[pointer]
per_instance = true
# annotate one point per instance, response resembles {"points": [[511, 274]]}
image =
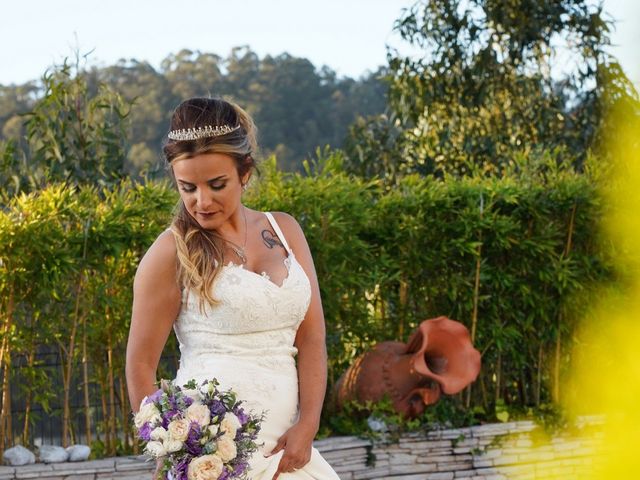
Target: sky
{"points": [[349, 36]]}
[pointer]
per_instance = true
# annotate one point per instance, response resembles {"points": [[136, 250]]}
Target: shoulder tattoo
{"points": [[270, 239]]}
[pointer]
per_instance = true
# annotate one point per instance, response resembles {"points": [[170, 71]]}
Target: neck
{"points": [[234, 228], [235, 232]]}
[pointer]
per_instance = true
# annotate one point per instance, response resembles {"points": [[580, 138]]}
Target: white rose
{"points": [[193, 393], [147, 413], [230, 424], [155, 449], [158, 433], [226, 449], [179, 429], [198, 413], [171, 445], [213, 430], [206, 467]]}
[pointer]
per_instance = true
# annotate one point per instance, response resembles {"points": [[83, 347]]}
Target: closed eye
{"points": [[216, 183], [187, 189]]}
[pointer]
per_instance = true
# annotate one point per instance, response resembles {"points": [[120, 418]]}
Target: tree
{"points": [[76, 131], [14, 101], [297, 108], [150, 94], [192, 74], [496, 79]]}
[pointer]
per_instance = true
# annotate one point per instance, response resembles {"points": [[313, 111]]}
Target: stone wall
{"points": [[514, 450]]}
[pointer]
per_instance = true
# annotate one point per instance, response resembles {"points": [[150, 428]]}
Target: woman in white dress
{"points": [[239, 289]]}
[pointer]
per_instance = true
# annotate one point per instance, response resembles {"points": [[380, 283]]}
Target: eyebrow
{"points": [[210, 180]]}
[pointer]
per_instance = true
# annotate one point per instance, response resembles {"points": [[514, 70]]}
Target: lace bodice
{"points": [[255, 316], [246, 342]]}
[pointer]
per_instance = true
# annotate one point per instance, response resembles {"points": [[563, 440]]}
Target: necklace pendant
{"points": [[240, 253]]}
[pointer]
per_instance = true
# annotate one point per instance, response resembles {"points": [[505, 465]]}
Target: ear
{"points": [[246, 177], [248, 164]]}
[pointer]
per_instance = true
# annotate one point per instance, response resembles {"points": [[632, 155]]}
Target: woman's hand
{"points": [[297, 442]]}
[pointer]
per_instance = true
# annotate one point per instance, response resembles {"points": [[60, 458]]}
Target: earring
{"points": [[244, 187]]}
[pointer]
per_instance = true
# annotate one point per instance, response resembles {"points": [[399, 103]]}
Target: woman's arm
{"points": [[156, 304], [312, 358], [310, 340]]}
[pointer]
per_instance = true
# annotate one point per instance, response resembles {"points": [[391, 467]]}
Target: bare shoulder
{"points": [[158, 265], [290, 227]]}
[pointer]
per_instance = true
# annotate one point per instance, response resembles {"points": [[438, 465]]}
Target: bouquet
{"points": [[199, 432]]}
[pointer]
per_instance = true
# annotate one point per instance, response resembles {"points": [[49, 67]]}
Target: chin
{"points": [[205, 223]]}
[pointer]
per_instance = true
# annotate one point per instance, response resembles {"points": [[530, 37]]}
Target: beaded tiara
{"points": [[201, 132]]}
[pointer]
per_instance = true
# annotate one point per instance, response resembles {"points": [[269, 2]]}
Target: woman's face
{"points": [[209, 187]]}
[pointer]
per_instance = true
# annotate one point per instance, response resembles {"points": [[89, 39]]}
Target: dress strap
{"points": [[275, 226]]}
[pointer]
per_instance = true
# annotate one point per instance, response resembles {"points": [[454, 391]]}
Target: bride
{"points": [[239, 289]]}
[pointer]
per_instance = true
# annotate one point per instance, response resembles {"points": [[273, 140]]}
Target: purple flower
{"points": [[237, 471], [217, 407], [240, 468], [168, 416], [145, 432], [192, 444], [181, 469], [242, 416], [154, 397]]}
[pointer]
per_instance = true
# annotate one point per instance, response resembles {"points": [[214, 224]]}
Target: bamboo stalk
{"points": [[558, 346], [5, 418], [112, 400], [5, 365], [476, 295], [72, 432], [65, 430], [539, 376], [25, 425], [498, 375], [124, 405], [103, 399], [85, 386], [9, 414], [555, 392], [27, 407], [4, 369], [5, 338], [476, 285], [66, 412], [402, 294]]}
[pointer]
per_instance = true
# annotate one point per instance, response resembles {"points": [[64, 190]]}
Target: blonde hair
{"points": [[201, 252]]}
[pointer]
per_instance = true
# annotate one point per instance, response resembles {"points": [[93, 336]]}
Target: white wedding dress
{"points": [[246, 342]]}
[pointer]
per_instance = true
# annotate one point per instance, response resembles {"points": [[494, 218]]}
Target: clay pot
{"points": [[438, 358]]}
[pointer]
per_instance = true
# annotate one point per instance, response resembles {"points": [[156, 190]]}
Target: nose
{"points": [[203, 200]]}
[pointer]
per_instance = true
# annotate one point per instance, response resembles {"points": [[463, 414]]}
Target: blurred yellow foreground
{"points": [[606, 378]]}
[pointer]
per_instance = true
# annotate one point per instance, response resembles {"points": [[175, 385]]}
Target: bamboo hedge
{"points": [[513, 259]]}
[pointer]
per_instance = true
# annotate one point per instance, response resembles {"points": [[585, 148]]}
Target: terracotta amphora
{"points": [[438, 358]]}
